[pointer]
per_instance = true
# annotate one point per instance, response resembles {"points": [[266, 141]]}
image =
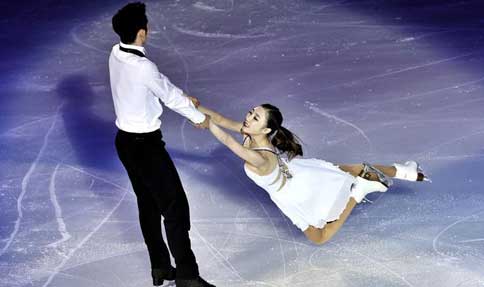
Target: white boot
{"points": [[410, 170], [362, 187]]}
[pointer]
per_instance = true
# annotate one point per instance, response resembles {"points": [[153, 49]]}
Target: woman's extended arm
{"points": [[220, 120], [252, 157]]}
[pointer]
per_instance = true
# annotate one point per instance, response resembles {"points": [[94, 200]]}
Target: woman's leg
{"points": [[355, 170], [322, 235]]}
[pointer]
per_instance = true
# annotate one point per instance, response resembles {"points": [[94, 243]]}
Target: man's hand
{"points": [[205, 124], [195, 101]]}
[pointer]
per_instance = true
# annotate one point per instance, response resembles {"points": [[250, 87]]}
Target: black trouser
{"points": [[159, 192]]}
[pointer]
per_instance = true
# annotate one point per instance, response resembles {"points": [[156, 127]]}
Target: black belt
{"points": [[153, 134]]}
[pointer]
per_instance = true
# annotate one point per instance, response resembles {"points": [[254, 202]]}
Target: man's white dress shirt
{"points": [[137, 88]]}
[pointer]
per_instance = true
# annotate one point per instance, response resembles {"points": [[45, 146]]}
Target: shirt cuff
{"points": [[198, 117]]}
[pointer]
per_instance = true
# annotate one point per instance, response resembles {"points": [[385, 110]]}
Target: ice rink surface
{"points": [[377, 81]]}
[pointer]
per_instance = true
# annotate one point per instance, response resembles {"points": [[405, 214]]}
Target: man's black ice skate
{"points": [[198, 282], [159, 275]]}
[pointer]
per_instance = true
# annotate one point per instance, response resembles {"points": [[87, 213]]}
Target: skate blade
{"points": [[366, 200], [383, 178], [421, 174]]}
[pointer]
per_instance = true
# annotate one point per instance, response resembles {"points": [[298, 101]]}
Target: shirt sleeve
{"points": [[171, 95]]}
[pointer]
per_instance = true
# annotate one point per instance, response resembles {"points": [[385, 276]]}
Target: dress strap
{"points": [[266, 149], [283, 168]]}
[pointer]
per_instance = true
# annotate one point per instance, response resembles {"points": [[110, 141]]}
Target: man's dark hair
{"points": [[129, 20]]}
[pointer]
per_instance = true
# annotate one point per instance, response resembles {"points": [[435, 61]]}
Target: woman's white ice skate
{"points": [[410, 171], [362, 187]]}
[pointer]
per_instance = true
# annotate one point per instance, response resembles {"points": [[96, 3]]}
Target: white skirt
{"points": [[317, 193]]}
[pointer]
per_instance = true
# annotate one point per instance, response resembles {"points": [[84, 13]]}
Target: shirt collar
{"points": [[139, 48]]}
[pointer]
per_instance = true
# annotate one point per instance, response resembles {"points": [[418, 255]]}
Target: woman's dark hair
{"points": [[283, 139], [129, 20]]}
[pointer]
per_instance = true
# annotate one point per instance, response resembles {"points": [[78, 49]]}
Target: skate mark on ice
{"points": [[435, 241], [454, 105], [455, 157], [384, 266], [245, 234], [202, 6], [133, 250], [217, 35], [360, 25], [90, 282], [234, 222], [267, 216], [244, 185], [317, 110], [92, 184], [315, 11], [205, 7], [293, 236], [117, 278], [23, 125], [415, 122], [428, 153], [471, 240], [274, 228], [252, 47], [398, 99], [182, 133], [425, 35], [237, 218], [95, 176], [177, 52], [25, 182], [79, 41], [411, 68], [217, 254], [61, 226], [58, 268]]}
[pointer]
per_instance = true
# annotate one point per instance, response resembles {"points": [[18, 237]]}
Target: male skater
{"points": [[137, 88]]}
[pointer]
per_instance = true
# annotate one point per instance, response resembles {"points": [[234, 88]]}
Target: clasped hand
{"points": [[205, 124]]}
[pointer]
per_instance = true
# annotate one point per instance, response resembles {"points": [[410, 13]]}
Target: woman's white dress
{"points": [[317, 192]]}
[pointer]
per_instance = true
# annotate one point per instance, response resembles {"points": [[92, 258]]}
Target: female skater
{"points": [[317, 196]]}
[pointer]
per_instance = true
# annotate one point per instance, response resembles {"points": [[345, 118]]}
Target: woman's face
{"points": [[255, 122]]}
